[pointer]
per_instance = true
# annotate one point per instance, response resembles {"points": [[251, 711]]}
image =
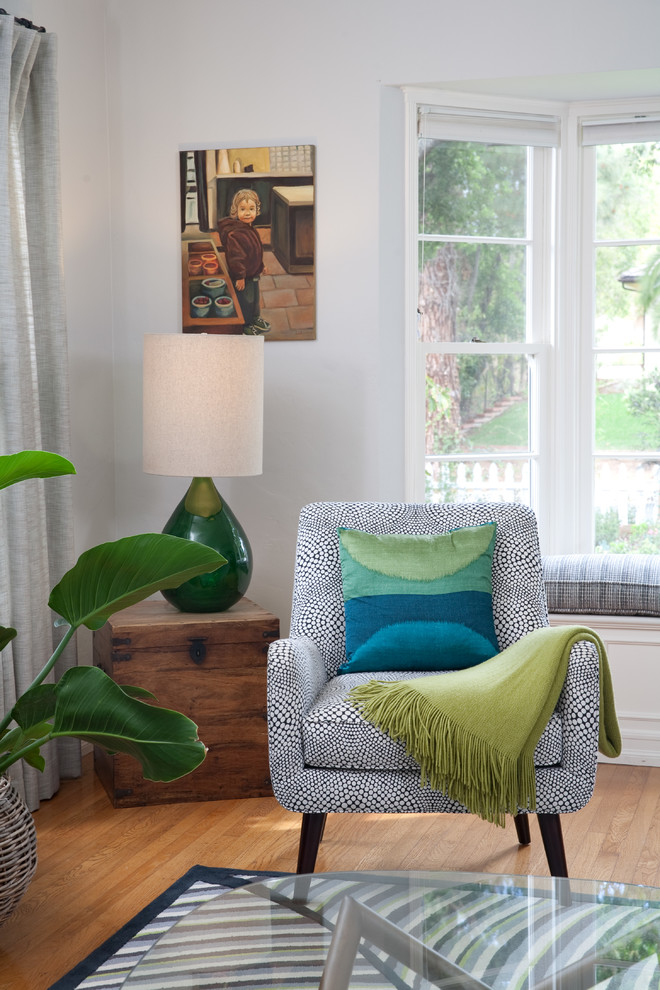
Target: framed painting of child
{"points": [[248, 241]]}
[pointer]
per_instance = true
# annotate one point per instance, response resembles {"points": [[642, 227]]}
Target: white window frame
{"points": [[562, 440], [608, 118]]}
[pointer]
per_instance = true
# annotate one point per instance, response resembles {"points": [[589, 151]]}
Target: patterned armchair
{"points": [[324, 757]]}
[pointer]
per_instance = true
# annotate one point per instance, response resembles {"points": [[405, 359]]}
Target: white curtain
{"points": [[36, 532]]}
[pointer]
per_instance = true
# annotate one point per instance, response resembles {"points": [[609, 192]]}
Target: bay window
{"points": [[533, 353]]}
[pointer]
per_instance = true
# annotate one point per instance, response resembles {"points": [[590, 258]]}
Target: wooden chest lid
{"points": [[156, 620]]}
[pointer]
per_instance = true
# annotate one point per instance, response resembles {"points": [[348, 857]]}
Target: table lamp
{"points": [[203, 418]]}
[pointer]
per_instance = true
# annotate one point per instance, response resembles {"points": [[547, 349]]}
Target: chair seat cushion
{"points": [[335, 736]]}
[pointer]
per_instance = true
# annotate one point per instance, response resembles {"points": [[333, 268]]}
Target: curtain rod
{"points": [[24, 21]]}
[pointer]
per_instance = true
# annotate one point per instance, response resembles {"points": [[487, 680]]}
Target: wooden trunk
{"points": [[211, 667]]}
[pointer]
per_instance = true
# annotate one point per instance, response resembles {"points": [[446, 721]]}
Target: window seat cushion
{"points": [[603, 583]]}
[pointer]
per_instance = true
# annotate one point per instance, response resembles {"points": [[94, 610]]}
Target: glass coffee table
{"points": [[413, 931]]}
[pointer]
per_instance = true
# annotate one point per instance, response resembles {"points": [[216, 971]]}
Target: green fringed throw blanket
{"points": [[474, 731]]}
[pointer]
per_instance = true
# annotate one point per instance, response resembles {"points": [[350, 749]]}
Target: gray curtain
{"points": [[36, 531]]}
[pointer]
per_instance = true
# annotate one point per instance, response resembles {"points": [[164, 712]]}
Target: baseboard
{"points": [[640, 736]]}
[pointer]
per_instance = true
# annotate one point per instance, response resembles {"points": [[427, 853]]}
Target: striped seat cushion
{"points": [[603, 584]]}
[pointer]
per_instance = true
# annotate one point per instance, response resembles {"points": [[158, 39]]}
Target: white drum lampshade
{"points": [[203, 418]]}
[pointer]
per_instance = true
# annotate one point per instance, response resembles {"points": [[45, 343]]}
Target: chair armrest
{"points": [[579, 702], [578, 706], [296, 674]]}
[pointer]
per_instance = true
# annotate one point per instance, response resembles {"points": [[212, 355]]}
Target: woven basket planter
{"points": [[18, 848]]}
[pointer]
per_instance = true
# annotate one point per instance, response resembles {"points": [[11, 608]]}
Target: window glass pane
{"points": [[478, 481], [627, 316], [628, 402], [472, 290], [477, 403], [627, 191], [627, 302], [471, 188], [627, 495]]}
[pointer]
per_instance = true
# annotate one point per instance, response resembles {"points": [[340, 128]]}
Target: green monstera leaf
{"points": [[28, 464], [6, 636], [87, 705], [115, 575]]}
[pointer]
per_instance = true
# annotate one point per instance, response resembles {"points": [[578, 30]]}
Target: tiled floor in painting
{"points": [[287, 302]]}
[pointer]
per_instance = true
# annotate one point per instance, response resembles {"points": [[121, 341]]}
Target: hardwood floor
{"points": [[99, 866]]}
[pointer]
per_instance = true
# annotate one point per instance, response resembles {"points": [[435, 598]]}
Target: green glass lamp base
{"points": [[202, 516]]}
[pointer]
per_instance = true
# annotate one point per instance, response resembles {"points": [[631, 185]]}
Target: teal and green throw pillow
{"points": [[418, 602]]}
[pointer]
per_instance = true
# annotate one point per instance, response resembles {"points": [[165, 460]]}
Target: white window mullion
{"points": [[469, 239], [467, 347], [586, 384], [415, 358], [541, 324], [570, 484], [511, 455], [628, 243]]}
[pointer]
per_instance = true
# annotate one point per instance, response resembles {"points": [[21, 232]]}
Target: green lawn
{"points": [[619, 429], [508, 430], [616, 427]]}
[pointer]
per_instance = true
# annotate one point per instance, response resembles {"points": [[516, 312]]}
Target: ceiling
{"points": [[578, 86]]}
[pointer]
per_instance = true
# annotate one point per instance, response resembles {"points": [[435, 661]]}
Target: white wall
{"points": [[211, 73]]}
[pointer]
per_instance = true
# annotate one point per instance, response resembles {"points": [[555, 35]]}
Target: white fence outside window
{"points": [[630, 488]]}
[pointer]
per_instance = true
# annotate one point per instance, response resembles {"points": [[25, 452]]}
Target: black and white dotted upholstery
{"points": [[324, 757]]}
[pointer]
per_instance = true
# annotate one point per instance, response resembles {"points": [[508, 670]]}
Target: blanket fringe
{"points": [[453, 760]]}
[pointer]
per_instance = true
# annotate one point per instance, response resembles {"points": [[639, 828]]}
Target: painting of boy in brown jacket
{"points": [[244, 255]]}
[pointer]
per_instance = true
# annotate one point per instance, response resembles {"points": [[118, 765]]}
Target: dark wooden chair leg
{"points": [[311, 830], [522, 829], [553, 843]]}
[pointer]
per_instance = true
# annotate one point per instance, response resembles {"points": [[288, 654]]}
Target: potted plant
{"points": [[85, 703]]}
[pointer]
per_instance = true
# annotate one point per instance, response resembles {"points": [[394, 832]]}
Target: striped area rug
{"points": [[108, 966], [493, 931]]}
